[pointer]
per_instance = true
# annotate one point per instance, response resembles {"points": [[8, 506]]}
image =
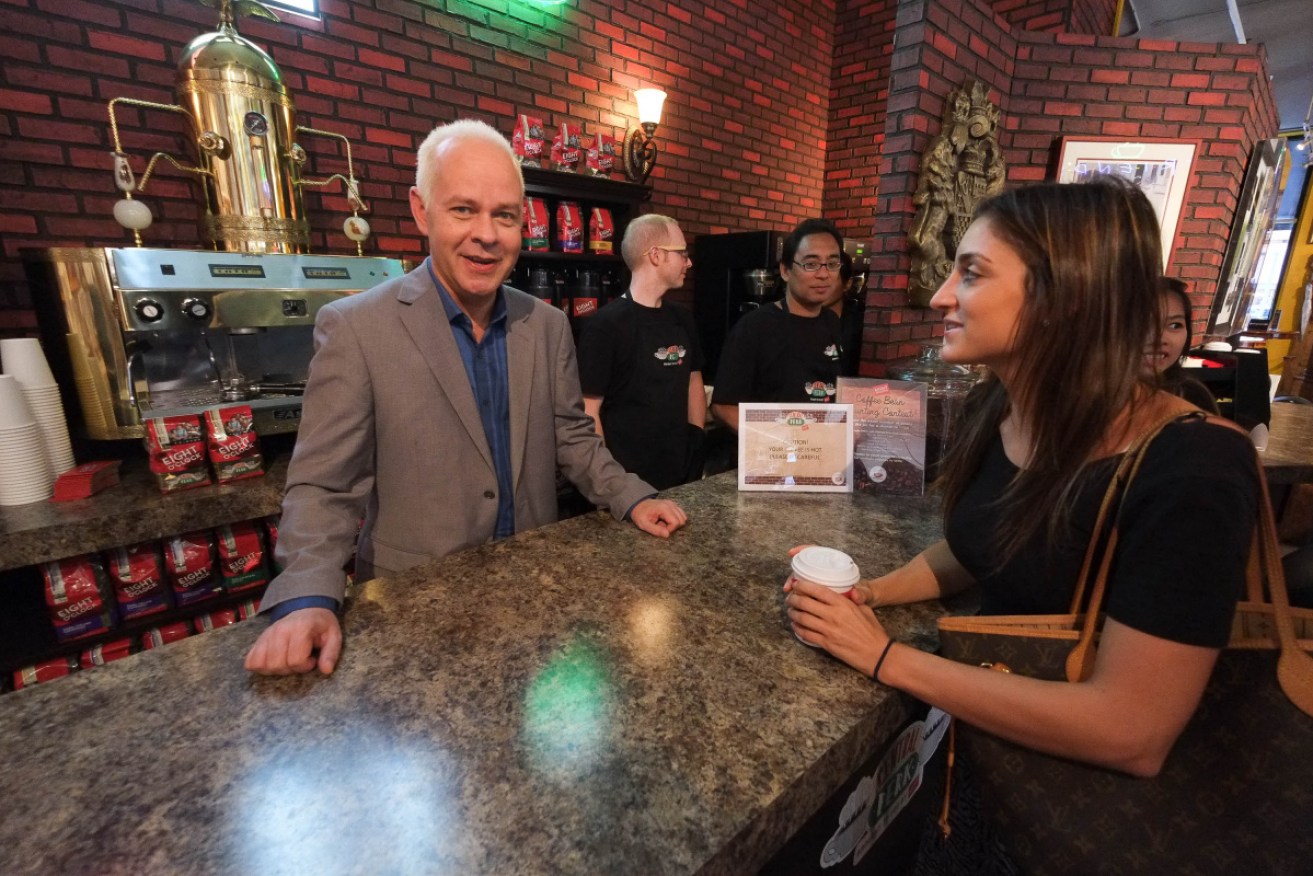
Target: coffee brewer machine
{"points": [[739, 272], [158, 332]]}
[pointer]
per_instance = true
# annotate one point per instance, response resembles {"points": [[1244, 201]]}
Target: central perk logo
{"points": [[672, 355], [819, 390]]}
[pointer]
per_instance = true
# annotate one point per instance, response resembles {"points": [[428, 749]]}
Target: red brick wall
{"points": [[742, 137], [777, 111], [940, 44], [858, 93], [1074, 86], [1060, 85], [1093, 17]]}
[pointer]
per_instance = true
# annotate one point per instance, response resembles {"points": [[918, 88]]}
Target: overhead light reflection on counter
{"points": [[651, 625], [403, 815]]}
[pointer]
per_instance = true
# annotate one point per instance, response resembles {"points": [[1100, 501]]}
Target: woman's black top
{"points": [[1184, 537]]}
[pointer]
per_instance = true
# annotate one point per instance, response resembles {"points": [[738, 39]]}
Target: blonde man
{"points": [[640, 364]]}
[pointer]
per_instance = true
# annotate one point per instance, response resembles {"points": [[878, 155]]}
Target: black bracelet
{"points": [[875, 676]]}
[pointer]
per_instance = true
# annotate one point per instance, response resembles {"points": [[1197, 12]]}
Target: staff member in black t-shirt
{"points": [[789, 350], [640, 364], [850, 318]]}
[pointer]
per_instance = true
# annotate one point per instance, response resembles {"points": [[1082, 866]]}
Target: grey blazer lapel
{"points": [[521, 359], [426, 323]]}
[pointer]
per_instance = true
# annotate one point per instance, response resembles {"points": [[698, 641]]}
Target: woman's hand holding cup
{"points": [[829, 613]]}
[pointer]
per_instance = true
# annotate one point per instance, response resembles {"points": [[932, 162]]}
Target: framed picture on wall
{"points": [[1161, 168], [1259, 197]]}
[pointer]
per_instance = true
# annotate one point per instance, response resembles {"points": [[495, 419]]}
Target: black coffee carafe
{"points": [[542, 285], [587, 295]]}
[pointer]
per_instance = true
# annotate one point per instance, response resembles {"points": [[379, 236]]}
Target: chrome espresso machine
{"points": [[152, 332]]}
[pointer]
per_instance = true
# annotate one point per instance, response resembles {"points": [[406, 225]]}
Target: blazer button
{"points": [[489, 494]]}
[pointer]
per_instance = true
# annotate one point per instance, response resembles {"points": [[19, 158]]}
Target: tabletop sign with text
{"points": [[889, 421], [799, 447]]}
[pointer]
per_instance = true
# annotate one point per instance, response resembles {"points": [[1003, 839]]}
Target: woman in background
{"points": [[1173, 340]]}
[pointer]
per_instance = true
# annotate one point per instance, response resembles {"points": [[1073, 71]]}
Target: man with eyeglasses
{"points": [[640, 363], [788, 350]]}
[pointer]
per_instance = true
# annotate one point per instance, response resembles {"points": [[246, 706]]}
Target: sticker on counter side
{"points": [[879, 797]]}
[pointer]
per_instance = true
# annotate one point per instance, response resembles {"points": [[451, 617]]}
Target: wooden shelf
{"points": [[573, 257], [583, 187], [619, 196]]}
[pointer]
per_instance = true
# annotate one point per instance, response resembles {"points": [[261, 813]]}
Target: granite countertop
{"points": [[131, 511], [582, 698]]}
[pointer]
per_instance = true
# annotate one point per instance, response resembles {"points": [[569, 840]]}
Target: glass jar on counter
{"points": [[946, 388]]}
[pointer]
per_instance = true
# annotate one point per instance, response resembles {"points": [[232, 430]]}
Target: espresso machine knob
{"points": [[196, 308], [148, 309]]}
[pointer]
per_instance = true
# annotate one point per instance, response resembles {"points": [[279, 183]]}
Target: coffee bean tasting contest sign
{"points": [[889, 421], [801, 447]]}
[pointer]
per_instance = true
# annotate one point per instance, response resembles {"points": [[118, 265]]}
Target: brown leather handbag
{"points": [[1236, 792]]}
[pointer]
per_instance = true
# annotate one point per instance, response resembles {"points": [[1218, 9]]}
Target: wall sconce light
{"points": [[640, 145]]}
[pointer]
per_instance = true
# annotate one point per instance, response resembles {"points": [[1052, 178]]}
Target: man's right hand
{"points": [[288, 646]]}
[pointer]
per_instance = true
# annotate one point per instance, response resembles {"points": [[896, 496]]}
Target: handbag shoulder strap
{"points": [[1080, 662], [1110, 507]]}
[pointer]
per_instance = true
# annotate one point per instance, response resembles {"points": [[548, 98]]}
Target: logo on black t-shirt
{"points": [[672, 355], [819, 390], [832, 352]]}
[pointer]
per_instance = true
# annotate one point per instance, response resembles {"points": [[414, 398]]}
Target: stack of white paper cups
{"points": [[22, 359], [25, 474]]}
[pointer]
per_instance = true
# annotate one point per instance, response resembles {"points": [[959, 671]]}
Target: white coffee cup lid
{"points": [[826, 566]]}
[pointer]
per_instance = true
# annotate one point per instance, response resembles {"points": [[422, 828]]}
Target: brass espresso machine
{"points": [[157, 332]]}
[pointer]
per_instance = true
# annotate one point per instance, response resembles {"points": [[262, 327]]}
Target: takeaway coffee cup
{"points": [[827, 567]]}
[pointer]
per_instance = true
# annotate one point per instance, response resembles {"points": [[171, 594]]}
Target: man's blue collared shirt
{"points": [[489, 376]]}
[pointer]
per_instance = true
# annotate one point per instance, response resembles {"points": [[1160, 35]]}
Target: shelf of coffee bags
{"points": [[44, 650], [63, 607], [132, 511], [583, 187]]}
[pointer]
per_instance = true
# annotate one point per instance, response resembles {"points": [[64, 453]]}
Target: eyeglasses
{"points": [[677, 250], [833, 265]]}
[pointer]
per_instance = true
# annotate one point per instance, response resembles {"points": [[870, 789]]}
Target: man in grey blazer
{"points": [[438, 407]]}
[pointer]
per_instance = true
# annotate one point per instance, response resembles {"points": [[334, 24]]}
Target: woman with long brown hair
{"points": [[1055, 289]]}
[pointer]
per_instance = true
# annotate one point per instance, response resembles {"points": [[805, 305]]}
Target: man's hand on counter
{"points": [[288, 646], [658, 517]]}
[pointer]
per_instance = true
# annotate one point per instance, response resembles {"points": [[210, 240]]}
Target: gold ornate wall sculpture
{"points": [[962, 166]]}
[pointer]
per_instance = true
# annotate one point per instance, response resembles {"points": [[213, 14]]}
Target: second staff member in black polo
{"points": [[640, 364], [789, 350]]}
